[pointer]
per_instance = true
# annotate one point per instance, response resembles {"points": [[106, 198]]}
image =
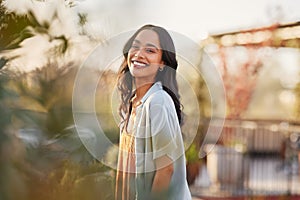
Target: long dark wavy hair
{"points": [[167, 77]]}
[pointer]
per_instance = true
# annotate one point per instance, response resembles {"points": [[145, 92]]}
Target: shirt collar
{"points": [[154, 88]]}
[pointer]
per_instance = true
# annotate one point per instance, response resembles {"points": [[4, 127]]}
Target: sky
{"points": [[194, 18]]}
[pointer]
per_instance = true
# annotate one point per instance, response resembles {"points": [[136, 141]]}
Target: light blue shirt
{"points": [[157, 133]]}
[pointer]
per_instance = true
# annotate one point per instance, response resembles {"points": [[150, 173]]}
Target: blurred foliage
{"points": [[240, 84], [73, 181], [16, 28], [191, 154], [4, 137], [297, 94], [205, 108], [45, 97], [49, 160], [12, 31], [12, 27], [41, 153], [204, 98], [103, 96]]}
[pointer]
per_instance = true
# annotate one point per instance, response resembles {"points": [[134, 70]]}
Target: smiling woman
{"points": [[151, 161], [144, 57]]}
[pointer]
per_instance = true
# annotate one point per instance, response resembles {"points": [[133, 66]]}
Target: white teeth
{"points": [[139, 63]]}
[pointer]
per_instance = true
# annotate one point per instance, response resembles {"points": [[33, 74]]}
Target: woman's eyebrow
{"points": [[137, 41], [151, 45]]}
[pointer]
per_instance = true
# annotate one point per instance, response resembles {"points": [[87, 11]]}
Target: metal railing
{"points": [[253, 157]]}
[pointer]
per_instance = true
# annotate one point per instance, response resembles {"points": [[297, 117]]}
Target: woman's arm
{"points": [[163, 175]]}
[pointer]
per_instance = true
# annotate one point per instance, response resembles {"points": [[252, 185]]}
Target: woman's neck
{"points": [[142, 88]]}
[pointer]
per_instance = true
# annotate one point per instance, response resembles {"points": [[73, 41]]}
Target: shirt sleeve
{"points": [[165, 131]]}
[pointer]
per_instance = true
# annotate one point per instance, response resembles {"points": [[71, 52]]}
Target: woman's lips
{"points": [[139, 64]]}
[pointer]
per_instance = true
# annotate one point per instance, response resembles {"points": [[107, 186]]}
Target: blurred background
{"points": [[242, 135]]}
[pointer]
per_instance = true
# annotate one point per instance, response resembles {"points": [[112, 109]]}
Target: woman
{"points": [[151, 161]]}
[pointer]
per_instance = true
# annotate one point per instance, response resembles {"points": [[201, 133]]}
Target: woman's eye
{"points": [[150, 50]]}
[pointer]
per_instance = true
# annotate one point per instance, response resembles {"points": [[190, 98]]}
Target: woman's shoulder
{"points": [[160, 97]]}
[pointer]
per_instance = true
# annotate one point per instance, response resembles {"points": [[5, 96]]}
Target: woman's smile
{"points": [[139, 64]]}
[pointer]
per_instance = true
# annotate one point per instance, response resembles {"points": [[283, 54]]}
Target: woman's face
{"points": [[145, 56]]}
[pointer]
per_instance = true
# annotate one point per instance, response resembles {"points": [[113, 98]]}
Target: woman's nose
{"points": [[139, 53]]}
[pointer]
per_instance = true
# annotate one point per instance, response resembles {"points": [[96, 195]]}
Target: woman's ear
{"points": [[161, 66]]}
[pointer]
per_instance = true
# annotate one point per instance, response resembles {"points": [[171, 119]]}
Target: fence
{"points": [[253, 157]]}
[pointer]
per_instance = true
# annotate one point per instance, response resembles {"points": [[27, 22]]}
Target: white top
{"points": [[157, 133]]}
